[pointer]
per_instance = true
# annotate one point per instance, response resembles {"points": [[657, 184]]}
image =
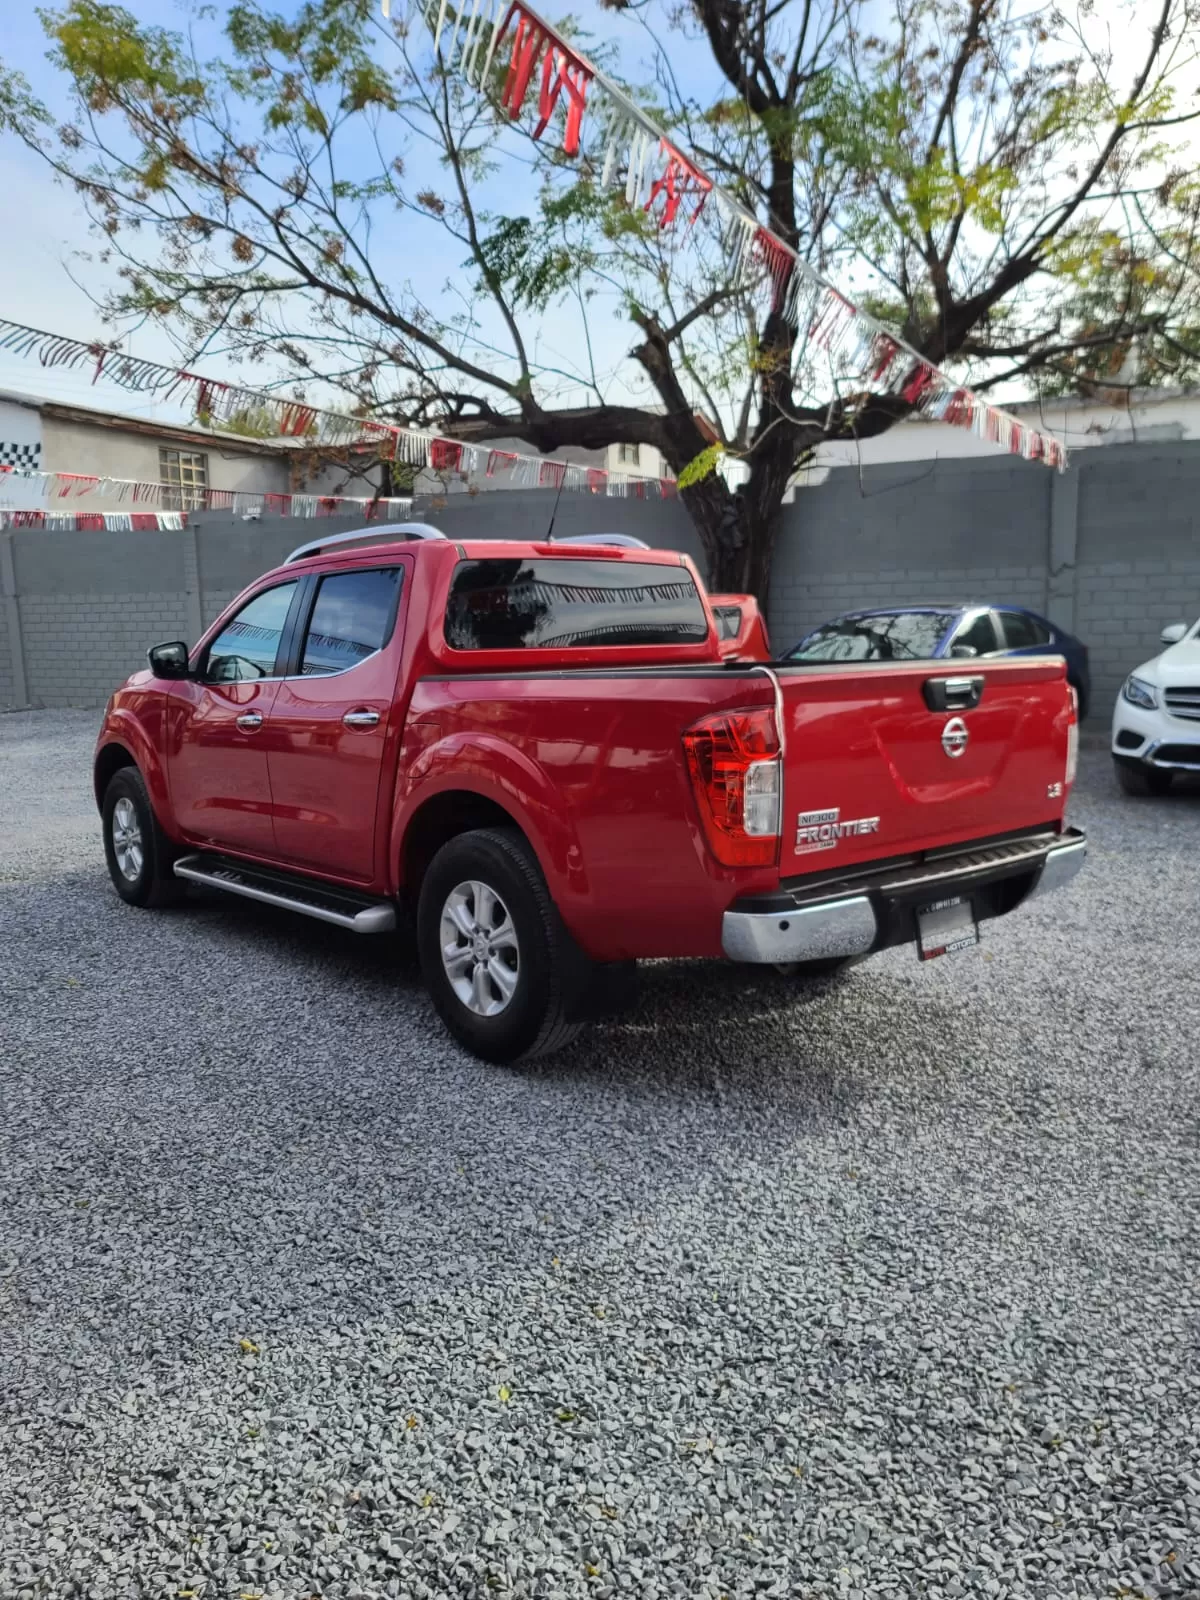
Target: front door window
{"points": [[248, 645]]}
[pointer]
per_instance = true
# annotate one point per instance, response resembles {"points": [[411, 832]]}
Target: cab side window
{"points": [[353, 618], [248, 644]]}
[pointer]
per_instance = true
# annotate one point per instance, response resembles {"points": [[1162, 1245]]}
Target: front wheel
{"points": [[1143, 780], [139, 854], [494, 953]]}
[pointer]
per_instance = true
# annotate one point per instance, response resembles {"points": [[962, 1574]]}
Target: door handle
{"points": [[953, 694], [361, 719], [250, 720]]}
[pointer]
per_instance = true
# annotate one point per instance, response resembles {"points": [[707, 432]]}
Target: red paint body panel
{"points": [[862, 739], [751, 642], [592, 768], [216, 770], [587, 761]]}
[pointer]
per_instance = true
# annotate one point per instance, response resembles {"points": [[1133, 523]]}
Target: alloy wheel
{"points": [[127, 839], [479, 948]]}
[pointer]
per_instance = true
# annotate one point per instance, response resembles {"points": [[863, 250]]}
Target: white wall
{"points": [[1081, 425], [112, 453]]}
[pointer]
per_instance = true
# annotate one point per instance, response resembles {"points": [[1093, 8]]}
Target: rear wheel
{"points": [[1143, 780], [494, 953], [139, 854]]}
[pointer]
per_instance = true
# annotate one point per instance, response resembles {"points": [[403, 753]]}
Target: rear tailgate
{"points": [[886, 759]]}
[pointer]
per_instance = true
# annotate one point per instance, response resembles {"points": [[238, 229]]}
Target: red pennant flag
{"points": [[561, 72], [680, 177], [527, 46]]}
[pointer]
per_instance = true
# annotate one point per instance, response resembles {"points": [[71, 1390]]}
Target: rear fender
{"points": [[496, 770]]}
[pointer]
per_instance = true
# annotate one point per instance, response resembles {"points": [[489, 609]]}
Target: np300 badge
{"points": [[821, 830]]}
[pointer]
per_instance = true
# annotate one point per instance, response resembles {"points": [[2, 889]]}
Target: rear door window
{"points": [[1023, 632], [353, 618], [976, 637], [518, 603]]}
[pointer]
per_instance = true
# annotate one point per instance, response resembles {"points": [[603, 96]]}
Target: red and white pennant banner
{"points": [[446, 459], [866, 357], [30, 484], [93, 521], [218, 404]]}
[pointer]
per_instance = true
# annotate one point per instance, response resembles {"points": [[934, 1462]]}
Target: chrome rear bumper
{"points": [[1064, 862], [810, 933], [997, 879]]}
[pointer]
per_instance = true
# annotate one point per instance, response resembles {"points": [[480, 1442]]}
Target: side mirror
{"points": [[169, 660], [1174, 633], [963, 651]]}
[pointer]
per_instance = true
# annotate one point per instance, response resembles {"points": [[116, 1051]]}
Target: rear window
{"points": [[892, 636], [518, 603], [1023, 632]]}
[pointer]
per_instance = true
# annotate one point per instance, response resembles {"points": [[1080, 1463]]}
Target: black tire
{"points": [[144, 878], [532, 1021], [1143, 781]]}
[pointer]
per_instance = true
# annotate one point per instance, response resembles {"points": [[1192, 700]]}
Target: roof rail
{"points": [[386, 530], [625, 541]]}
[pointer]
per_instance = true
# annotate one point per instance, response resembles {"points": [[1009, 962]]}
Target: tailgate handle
{"points": [[953, 694]]}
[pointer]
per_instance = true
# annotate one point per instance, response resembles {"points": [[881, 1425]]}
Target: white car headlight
{"points": [[1140, 693]]}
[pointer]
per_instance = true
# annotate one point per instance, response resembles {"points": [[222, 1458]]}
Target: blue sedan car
{"points": [[931, 633]]}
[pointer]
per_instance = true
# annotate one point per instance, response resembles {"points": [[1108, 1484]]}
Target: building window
{"points": [[184, 477], [629, 455]]}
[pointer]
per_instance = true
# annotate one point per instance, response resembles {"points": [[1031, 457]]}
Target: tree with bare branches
{"points": [[1008, 185]]}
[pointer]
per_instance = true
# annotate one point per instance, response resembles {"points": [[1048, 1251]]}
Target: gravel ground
{"points": [[886, 1287]]}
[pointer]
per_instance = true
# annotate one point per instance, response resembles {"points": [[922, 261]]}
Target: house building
{"points": [[186, 461], [191, 467]]}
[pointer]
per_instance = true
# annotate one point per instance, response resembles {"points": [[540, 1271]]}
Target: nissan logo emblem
{"points": [[955, 736]]}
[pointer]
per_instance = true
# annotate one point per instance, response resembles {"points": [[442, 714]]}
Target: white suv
{"points": [[1156, 721]]}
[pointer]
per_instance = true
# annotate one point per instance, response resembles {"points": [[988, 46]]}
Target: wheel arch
{"points": [[109, 761], [440, 818]]}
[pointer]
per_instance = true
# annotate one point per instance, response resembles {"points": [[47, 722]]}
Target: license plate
{"points": [[944, 927]]}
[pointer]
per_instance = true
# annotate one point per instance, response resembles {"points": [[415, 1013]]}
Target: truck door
{"points": [[330, 722], [219, 722]]}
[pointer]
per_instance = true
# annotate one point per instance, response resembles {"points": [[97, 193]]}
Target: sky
{"points": [[36, 285]]}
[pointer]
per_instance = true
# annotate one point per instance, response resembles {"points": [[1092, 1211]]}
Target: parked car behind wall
{"points": [[908, 633]]}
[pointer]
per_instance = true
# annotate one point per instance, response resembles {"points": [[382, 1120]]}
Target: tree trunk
{"points": [[737, 527]]}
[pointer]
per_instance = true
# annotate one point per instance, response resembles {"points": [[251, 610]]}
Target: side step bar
{"points": [[342, 907]]}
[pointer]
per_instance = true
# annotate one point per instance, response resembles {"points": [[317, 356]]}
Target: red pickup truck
{"points": [[536, 754]]}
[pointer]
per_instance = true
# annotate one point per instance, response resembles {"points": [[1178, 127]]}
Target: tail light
{"points": [[1073, 739], [733, 761]]}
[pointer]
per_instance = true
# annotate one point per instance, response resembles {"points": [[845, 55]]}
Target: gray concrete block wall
{"points": [[1122, 608], [7, 692], [79, 647], [954, 531], [1112, 550], [798, 604]]}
